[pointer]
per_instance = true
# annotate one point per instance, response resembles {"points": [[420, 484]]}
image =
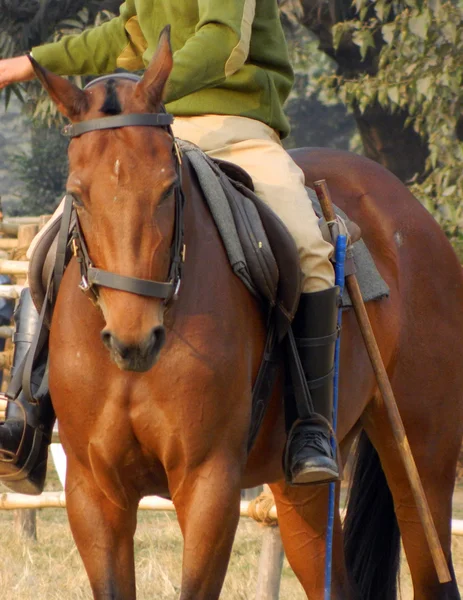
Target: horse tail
{"points": [[371, 531]]}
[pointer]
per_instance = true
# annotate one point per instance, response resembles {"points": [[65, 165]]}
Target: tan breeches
{"points": [[278, 181]]}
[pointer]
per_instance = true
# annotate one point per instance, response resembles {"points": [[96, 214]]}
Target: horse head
{"points": [[122, 181]]}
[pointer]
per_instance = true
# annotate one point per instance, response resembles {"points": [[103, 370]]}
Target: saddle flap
{"points": [[272, 257], [260, 259], [269, 253], [235, 173], [282, 247], [286, 256], [42, 263]]}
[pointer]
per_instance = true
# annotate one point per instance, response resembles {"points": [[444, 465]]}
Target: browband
{"points": [[132, 120], [123, 75]]}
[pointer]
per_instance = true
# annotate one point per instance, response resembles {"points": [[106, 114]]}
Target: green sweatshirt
{"points": [[230, 56]]}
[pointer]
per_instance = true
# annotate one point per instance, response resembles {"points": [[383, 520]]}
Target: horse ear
{"points": [[151, 87], [70, 100]]}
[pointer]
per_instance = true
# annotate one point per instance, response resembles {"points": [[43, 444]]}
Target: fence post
{"points": [[26, 234], [272, 553], [270, 564], [25, 524]]}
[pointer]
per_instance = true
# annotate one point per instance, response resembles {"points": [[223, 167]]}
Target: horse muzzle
{"points": [[135, 357]]}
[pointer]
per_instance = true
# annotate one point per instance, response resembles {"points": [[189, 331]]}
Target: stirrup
{"points": [[9, 455], [23, 469]]}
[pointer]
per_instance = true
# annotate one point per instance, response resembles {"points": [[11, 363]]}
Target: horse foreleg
{"points": [[207, 502], [303, 519], [103, 533]]}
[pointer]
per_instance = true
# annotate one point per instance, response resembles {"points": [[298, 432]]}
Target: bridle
{"points": [[91, 277]]}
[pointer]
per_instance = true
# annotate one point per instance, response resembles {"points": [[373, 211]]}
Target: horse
{"points": [[154, 396]]}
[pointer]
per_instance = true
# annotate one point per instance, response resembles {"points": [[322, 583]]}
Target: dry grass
{"points": [[51, 569]]}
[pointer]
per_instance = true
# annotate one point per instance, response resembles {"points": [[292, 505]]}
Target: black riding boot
{"points": [[26, 432], [309, 457]]}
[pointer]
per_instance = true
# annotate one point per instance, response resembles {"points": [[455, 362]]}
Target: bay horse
{"points": [[155, 398]]}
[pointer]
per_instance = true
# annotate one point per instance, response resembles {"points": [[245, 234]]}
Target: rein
{"points": [[92, 277]]}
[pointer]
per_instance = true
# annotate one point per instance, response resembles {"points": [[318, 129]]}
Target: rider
{"points": [[230, 78]]}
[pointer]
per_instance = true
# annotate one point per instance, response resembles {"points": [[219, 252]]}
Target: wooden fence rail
{"points": [[9, 501]]}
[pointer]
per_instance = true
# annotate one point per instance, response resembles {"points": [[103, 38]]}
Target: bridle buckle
{"points": [[75, 247], [84, 285], [178, 152]]}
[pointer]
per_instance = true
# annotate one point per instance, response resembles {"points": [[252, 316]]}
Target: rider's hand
{"points": [[14, 70]]}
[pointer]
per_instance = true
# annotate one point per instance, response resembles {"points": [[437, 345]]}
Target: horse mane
{"points": [[111, 104]]}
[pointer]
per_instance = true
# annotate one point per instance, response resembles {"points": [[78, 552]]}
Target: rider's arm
{"points": [[218, 48], [95, 51]]}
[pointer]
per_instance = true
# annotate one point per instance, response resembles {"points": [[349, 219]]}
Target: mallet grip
{"points": [[324, 197]]}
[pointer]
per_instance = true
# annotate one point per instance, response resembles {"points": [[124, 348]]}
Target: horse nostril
{"points": [[106, 338], [158, 338], [112, 343], [139, 356]]}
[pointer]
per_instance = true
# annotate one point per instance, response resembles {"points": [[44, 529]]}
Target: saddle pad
{"points": [[372, 285]]}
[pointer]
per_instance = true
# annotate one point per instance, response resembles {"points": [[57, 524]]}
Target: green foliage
{"points": [[40, 107], [316, 119], [419, 69], [33, 22], [42, 173]]}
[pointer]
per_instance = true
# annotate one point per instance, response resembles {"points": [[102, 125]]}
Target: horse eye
{"points": [[76, 201], [168, 192]]}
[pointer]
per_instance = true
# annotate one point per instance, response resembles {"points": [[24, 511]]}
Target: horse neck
{"points": [[207, 279]]}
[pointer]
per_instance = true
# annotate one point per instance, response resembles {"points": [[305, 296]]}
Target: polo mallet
{"points": [[385, 388], [340, 259]]}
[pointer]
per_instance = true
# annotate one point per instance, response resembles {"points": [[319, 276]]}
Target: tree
{"points": [[387, 137], [400, 69], [30, 23], [316, 120], [42, 173]]}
